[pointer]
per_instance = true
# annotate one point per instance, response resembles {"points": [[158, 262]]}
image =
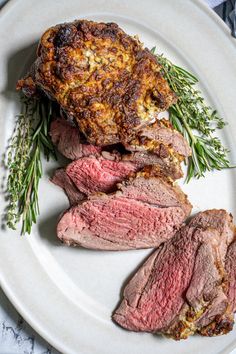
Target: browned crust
{"points": [[101, 76], [221, 325], [161, 148]]}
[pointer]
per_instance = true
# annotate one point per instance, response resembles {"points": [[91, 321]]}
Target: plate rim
{"points": [[5, 10]]}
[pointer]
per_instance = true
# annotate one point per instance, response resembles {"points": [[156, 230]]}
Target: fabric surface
{"points": [[214, 3]]}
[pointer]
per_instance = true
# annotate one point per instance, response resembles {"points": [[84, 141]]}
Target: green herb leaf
{"points": [[24, 162], [195, 120]]}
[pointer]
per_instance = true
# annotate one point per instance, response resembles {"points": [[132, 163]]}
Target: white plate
{"points": [[68, 294]]}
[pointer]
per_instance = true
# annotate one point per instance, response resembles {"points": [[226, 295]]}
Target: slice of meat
{"points": [[67, 140], [180, 289], [162, 139], [157, 190], [169, 166], [143, 213], [159, 144], [230, 267], [88, 175], [217, 317], [91, 174], [155, 294], [163, 132], [61, 179]]}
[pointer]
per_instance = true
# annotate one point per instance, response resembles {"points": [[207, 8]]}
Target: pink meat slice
{"points": [[126, 219], [143, 158], [98, 174], [62, 180], [90, 174], [183, 276], [163, 135], [168, 136], [67, 140], [118, 224], [155, 294]]}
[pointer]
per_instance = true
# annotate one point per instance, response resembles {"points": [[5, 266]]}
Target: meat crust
{"points": [[101, 77]]}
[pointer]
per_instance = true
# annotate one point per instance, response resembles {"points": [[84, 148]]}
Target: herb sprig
{"points": [[24, 164], [193, 118]]}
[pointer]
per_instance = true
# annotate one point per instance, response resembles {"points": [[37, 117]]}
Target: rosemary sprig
{"points": [[24, 162], [195, 120]]}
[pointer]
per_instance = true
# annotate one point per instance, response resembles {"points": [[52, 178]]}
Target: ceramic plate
{"points": [[68, 294]]}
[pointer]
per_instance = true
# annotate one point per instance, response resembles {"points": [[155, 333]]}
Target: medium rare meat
{"points": [[162, 139], [61, 179], [230, 267], [180, 289], [67, 140], [88, 175], [143, 213], [91, 174]]}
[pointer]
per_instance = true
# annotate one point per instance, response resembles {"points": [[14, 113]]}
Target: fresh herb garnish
{"points": [[24, 164], [193, 118]]}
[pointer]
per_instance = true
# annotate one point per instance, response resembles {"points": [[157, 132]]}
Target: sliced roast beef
{"points": [[160, 138], [180, 289], [155, 190], [163, 132], [61, 179], [230, 267], [67, 140], [91, 174], [98, 174], [169, 166], [217, 316], [159, 144], [143, 213]]}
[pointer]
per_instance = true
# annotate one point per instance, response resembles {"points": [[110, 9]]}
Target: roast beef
{"points": [[169, 165], [101, 174], [142, 213], [180, 289], [102, 77], [230, 267], [61, 179], [67, 140], [91, 174], [162, 139]]}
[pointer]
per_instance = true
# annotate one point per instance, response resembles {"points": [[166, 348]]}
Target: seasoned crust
{"points": [[161, 138], [221, 325], [100, 76]]}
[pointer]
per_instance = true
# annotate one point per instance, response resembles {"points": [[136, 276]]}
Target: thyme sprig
{"points": [[197, 121], [24, 164]]}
